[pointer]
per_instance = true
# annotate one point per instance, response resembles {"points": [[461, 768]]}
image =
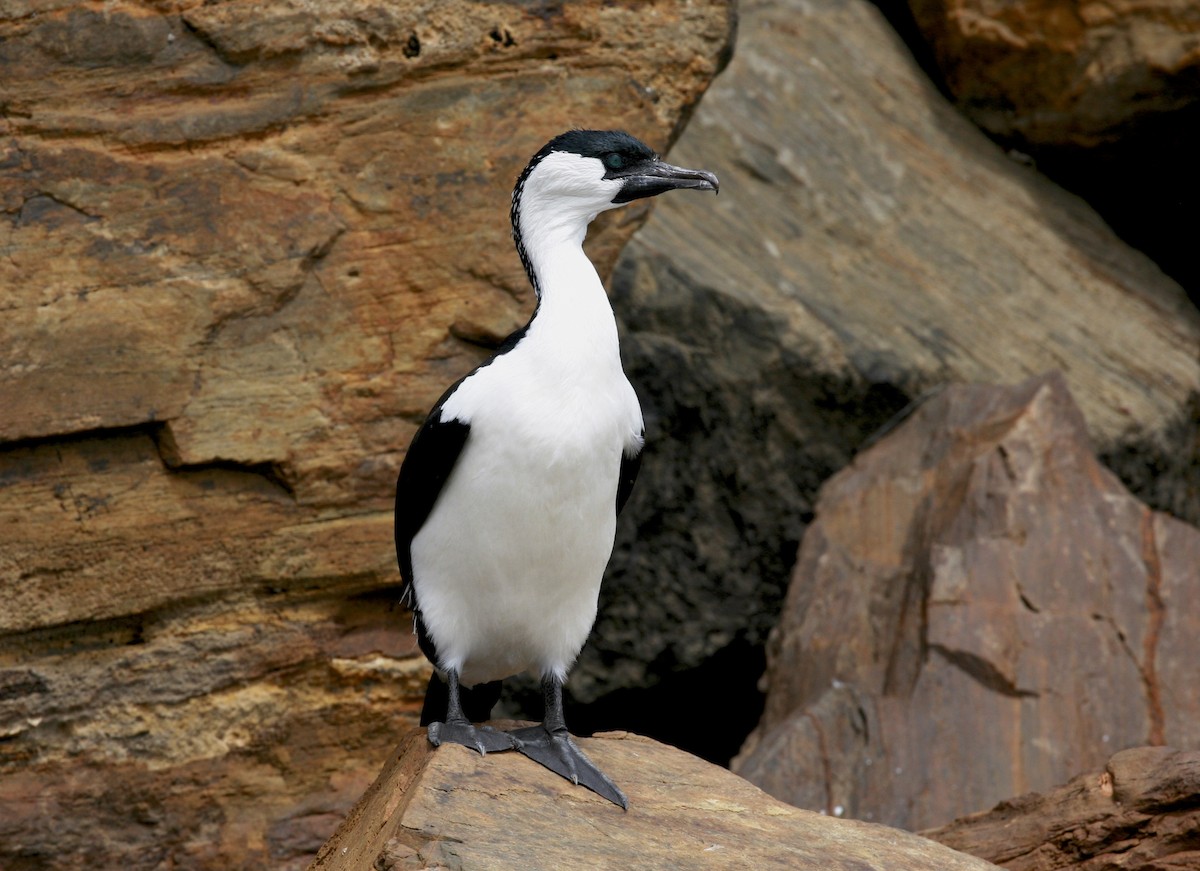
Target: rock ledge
{"points": [[450, 808]]}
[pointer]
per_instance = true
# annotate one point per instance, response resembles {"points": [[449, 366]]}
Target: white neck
{"points": [[574, 320]]}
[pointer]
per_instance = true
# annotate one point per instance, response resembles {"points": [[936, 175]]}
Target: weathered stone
{"points": [[868, 244], [243, 248], [1101, 96], [977, 595], [1141, 813], [1056, 73], [453, 809]]}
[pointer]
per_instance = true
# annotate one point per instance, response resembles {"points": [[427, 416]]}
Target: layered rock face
{"points": [[977, 595], [1140, 813], [245, 247], [453, 809], [868, 245]]}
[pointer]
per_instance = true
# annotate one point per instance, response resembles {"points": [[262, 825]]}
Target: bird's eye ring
{"points": [[613, 160]]}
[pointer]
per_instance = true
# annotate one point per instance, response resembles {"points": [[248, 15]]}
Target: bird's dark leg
{"points": [[457, 729], [550, 744]]}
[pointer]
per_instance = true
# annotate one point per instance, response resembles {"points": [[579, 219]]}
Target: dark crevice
{"points": [[891, 394], [206, 39], [900, 16], [982, 671], [158, 433], [82, 636], [502, 36], [273, 472], [137, 430], [35, 207]]}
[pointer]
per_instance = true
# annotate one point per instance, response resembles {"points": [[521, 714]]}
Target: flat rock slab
{"points": [[451, 808]]}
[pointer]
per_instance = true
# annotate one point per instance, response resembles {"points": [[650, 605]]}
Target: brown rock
{"points": [[1065, 73], [1141, 813], [977, 595], [243, 249], [453, 809]]}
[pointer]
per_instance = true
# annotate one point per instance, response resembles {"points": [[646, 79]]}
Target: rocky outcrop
{"points": [[243, 248], [1140, 813], [977, 595], [1100, 95], [454, 809], [868, 245], [1079, 74]]}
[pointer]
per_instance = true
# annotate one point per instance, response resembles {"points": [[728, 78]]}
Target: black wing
{"points": [[430, 459], [629, 472]]}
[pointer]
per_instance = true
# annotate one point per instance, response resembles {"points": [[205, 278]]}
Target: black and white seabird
{"points": [[507, 501]]}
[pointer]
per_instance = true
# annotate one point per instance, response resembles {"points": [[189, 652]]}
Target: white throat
{"points": [[558, 201]]}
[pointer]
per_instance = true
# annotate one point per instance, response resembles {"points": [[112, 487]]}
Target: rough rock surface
{"points": [[453, 809], [868, 243], [977, 595], [1065, 73], [1102, 96], [1141, 813], [243, 247]]}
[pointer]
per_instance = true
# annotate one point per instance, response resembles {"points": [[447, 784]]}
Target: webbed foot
{"points": [[556, 751], [485, 739]]}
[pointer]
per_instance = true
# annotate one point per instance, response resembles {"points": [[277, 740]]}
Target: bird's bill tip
{"points": [[660, 177]]}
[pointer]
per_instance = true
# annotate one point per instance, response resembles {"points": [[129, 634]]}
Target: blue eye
{"points": [[613, 160]]}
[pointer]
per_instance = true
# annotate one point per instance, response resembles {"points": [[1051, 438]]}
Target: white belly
{"points": [[507, 568]]}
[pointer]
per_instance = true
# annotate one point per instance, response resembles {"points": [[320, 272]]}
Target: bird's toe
{"points": [[484, 739]]}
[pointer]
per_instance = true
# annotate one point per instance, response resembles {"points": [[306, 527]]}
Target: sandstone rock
{"points": [[1141, 813], [977, 595], [453, 809], [1079, 74], [868, 244], [243, 249]]}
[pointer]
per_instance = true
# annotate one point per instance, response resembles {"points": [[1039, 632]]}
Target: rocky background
{"points": [[245, 246]]}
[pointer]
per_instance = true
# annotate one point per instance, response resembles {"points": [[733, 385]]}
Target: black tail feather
{"points": [[477, 701]]}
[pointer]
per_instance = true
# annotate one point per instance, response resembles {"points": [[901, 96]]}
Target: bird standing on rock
{"points": [[507, 500]]}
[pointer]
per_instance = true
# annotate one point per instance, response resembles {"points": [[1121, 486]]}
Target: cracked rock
{"points": [[1141, 812], [976, 595]]}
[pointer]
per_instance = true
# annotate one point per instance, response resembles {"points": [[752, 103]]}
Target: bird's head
{"points": [[581, 173]]}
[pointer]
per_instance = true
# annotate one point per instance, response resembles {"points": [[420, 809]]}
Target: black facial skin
{"points": [[629, 159]]}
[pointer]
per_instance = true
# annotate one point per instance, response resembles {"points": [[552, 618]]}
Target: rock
{"points": [[1079, 74], [1141, 813], [868, 244], [1101, 96], [977, 595], [242, 251], [454, 809]]}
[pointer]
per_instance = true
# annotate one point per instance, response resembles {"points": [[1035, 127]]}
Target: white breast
{"points": [[508, 566]]}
